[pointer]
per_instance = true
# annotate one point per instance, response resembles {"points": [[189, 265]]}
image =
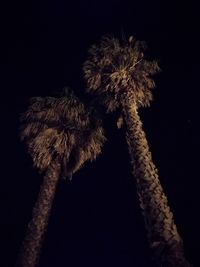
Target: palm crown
{"points": [[63, 129], [114, 69]]}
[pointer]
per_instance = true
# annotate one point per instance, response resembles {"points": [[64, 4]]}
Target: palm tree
{"points": [[119, 76], [61, 135]]}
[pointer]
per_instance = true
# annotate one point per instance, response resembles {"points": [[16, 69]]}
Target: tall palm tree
{"points": [[61, 135], [119, 76]]}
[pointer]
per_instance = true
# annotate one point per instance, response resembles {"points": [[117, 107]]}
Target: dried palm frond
{"points": [[120, 122], [114, 69], [61, 128]]}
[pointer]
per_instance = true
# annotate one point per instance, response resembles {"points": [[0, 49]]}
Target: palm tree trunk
{"points": [[31, 246], [163, 236]]}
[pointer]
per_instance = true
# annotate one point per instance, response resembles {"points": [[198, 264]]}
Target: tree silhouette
{"points": [[60, 135], [119, 76]]}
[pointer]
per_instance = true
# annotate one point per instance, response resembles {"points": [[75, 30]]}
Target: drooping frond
{"points": [[114, 69], [61, 128]]}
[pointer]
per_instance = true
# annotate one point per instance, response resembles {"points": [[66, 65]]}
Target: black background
{"points": [[96, 219]]}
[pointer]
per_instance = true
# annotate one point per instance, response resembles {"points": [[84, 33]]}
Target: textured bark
{"points": [[31, 246], [163, 236]]}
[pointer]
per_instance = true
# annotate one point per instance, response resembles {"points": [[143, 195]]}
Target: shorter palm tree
{"points": [[61, 135]]}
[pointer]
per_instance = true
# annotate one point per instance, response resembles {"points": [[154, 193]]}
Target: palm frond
{"points": [[61, 128], [115, 69]]}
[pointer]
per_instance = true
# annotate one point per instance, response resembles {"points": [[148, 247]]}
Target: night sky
{"points": [[96, 220]]}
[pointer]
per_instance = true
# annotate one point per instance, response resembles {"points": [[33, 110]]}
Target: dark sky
{"points": [[96, 219]]}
